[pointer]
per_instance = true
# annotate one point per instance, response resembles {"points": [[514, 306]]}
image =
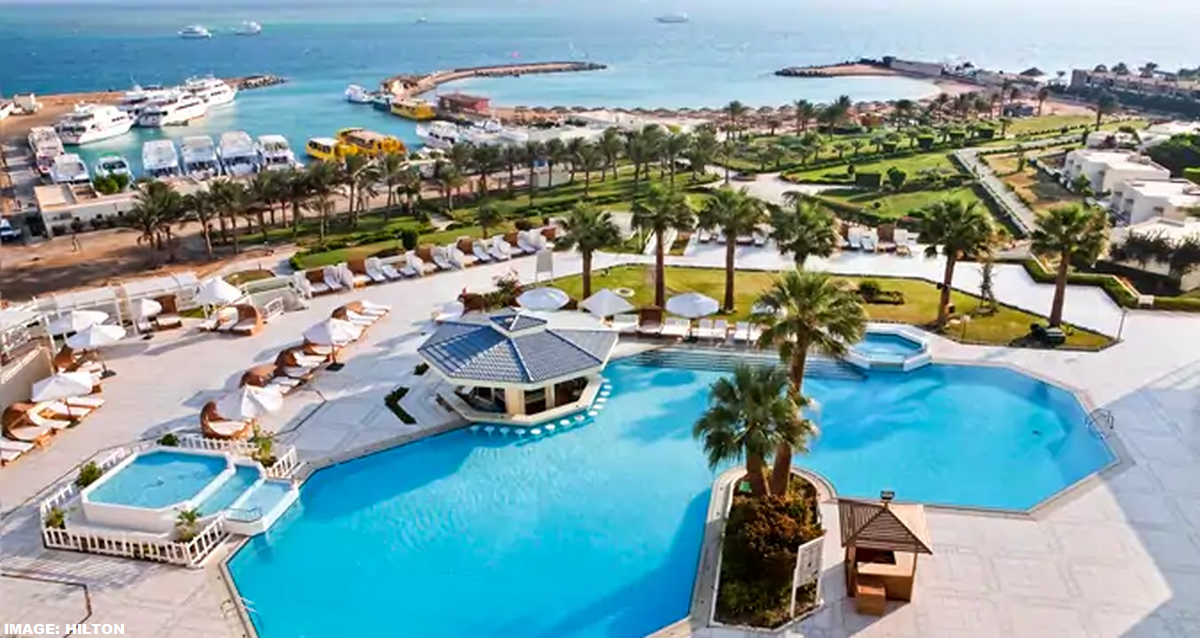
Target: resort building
{"points": [[1143, 200], [60, 206], [1156, 134], [1105, 169], [1175, 231], [516, 367], [462, 103], [1156, 85]]}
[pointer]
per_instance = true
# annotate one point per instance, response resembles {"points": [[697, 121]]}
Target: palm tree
{"points": [[487, 158], [459, 156], [187, 524], [674, 147], [155, 206], [703, 150], [233, 200], [749, 415], [962, 230], [612, 144], [449, 179], [805, 112], [1043, 94], [1105, 103], [198, 207], [735, 110], [350, 177], [655, 139], [587, 159], [588, 229], [295, 191], [857, 144], [806, 311], [513, 157], [556, 153], [321, 183], [411, 183], [488, 216], [261, 192], [366, 185], [840, 148], [637, 151], [535, 152], [391, 169], [573, 147], [734, 213], [661, 210], [802, 228], [1072, 234]]}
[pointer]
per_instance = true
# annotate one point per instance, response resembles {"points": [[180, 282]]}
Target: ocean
{"points": [[728, 50]]}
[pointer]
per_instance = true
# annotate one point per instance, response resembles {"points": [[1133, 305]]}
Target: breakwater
{"points": [[407, 86], [256, 82]]}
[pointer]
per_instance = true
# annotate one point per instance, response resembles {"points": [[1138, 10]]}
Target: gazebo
{"points": [[513, 364], [882, 540]]}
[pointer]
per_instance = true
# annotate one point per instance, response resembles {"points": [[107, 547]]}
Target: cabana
{"points": [[168, 291], [882, 540], [515, 364]]}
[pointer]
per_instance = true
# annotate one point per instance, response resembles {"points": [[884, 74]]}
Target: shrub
{"points": [[169, 440], [868, 289], [121, 180], [896, 178], [392, 400], [1192, 175], [925, 142], [56, 518], [106, 185], [409, 238], [421, 368], [187, 525], [868, 179], [88, 474], [523, 224]]}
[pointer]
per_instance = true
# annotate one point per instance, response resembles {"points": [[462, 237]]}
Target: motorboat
{"points": [[325, 149], [214, 92], [160, 159], [6, 108], [111, 166], [356, 94], [46, 145], [275, 153], [69, 168], [238, 154], [248, 27], [439, 134], [194, 32], [89, 123], [137, 99], [381, 102], [199, 157], [672, 18], [492, 132], [357, 140], [174, 109]]}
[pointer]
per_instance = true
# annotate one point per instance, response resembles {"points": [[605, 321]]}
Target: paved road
{"points": [[1021, 215]]}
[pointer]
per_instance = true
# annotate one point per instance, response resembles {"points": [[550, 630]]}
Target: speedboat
{"points": [[46, 145], [160, 159], [91, 123], [212, 91], [238, 154], [199, 157], [111, 166], [69, 168], [275, 153], [439, 134], [173, 109], [672, 18], [356, 94], [194, 32], [248, 27]]}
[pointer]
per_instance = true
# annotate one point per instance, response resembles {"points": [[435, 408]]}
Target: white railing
{"points": [[197, 442], [283, 464]]}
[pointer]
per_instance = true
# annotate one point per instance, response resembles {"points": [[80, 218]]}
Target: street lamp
{"points": [[966, 319]]}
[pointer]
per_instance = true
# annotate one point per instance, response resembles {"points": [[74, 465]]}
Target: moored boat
{"points": [[356, 94], [238, 154], [439, 134], [69, 168], [325, 149], [370, 143], [174, 109], [212, 91], [160, 160], [112, 165], [194, 32], [89, 123], [199, 157], [418, 110], [381, 101], [275, 153]]}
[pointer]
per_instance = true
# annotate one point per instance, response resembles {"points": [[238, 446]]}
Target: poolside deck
{"points": [[1121, 558]]}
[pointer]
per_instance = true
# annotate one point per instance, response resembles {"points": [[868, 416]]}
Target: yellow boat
{"points": [[328, 149], [418, 110], [370, 143]]}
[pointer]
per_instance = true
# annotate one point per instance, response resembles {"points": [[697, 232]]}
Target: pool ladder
{"points": [[1101, 421]]}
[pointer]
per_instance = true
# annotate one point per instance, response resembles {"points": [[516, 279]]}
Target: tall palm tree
{"points": [[488, 159], [535, 152], [350, 177], [588, 229], [1072, 234], [262, 190], [735, 111], [366, 186], [1105, 103], [802, 227], [734, 213], [513, 158], [556, 155], [637, 151], [661, 210], [1043, 94], [233, 201], [612, 144], [391, 169], [573, 148], [459, 156], [488, 215], [703, 149], [749, 415], [674, 147], [587, 159], [156, 204], [655, 139], [411, 183], [321, 184], [806, 311], [805, 112], [961, 230], [449, 179], [295, 191], [198, 207]]}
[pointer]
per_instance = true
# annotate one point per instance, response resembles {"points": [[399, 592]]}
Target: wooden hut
{"points": [[882, 540]]}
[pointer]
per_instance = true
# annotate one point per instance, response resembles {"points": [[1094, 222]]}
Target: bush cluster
{"points": [[392, 400]]}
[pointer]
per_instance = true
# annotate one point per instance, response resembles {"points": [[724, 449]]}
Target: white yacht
{"points": [[672, 18], [356, 94], [160, 159], [275, 153], [238, 154], [91, 123], [46, 146], [194, 32], [137, 99], [199, 157], [439, 134], [248, 27], [69, 168], [214, 92], [173, 109], [111, 166]]}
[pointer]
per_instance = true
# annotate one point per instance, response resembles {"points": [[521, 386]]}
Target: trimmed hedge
{"points": [[393, 403]]}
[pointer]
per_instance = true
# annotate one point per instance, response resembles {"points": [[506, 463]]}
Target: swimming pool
{"points": [[158, 479], [887, 346], [595, 531]]}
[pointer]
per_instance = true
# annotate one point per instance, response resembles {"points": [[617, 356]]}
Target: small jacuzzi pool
{"points": [[890, 347], [158, 479]]}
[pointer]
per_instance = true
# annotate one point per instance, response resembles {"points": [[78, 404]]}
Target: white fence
{"points": [[284, 463]]}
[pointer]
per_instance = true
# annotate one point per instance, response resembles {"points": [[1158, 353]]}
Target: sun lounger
{"points": [[479, 249], [283, 385], [358, 272], [389, 270], [11, 450], [215, 426], [373, 270], [35, 417], [332, 277], [249, 320], [676, 327], [362, 321], [314, 283], [371, 308], [905, 241], [870, 241], [745, 240], [745, 331], [854, 237], [91, 402], [704, 329], [525, 243], [720, 330], [720, 237], [59, 410], [413, 266], [440, 258], [625, 324], [703, 236], [18, 427], [500, 249]]}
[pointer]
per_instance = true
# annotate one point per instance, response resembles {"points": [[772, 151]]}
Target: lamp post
{"points": [[966, 319]]}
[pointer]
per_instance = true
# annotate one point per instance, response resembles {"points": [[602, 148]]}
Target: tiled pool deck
{"points": [[1120, 558]]}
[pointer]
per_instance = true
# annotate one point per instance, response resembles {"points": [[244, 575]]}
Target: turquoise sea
{"points": [[727, 51]]}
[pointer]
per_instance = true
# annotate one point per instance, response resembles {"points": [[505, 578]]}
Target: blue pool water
{"points": [[266, 496], [595, 531], [877, 345], [243, 477], [158, 479]]}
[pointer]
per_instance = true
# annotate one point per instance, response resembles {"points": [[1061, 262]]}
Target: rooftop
{"points": [[1116, 159], [1179, 192]]}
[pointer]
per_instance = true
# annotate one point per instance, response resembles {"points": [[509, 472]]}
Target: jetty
{"points": [[256, 82], [408, 86]]}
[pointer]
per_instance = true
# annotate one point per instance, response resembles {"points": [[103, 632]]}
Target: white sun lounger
{"points": [[372, 308], [440, 259], [352, 279], [64, 411], [374, 270], [91, 402], [226, 428], [500, 250], [332, 278], [870, 241], [625, 324], [11, 450], [720, 330], [527, 241], [745, 331], [479, 249], [676, 327], [854, 237], [39, 420]]}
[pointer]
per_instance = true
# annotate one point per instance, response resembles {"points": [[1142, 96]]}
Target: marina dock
{"points": [[255, 82], [408, 86]]}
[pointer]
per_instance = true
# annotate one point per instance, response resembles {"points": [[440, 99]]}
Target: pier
{"points": [[408, 86], [255, 82]]}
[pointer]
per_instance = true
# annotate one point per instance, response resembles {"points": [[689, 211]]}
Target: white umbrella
{"points": [[64, 385], [332, 332], [606, 303], [216, 291], [543, 299], [145, 308], [96, 336], [452, 310], [76, 320], [249, 402], [692, 305]]}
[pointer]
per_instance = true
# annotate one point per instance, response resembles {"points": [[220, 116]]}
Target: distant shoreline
{"points": [[859, 69]]}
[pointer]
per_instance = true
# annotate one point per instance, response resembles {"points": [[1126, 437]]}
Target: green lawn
{"points": [[898, 205], [920, 308], [913, 164]]}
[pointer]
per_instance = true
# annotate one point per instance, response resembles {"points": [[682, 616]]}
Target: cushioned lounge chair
{"points": [[214, 426], [316, 282], [625, 324], [11, 450], [18, 427]]}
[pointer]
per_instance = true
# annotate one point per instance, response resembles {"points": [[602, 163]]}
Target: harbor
{"points": [[410, 86]]}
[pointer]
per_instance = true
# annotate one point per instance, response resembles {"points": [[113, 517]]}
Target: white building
{"points": [[1158, 133], [1105, 169], [1176, 232], [1143, 200]]}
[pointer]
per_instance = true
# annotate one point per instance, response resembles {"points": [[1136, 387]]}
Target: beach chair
{"points": [[720, 330], [676, 327], [854, 237], [479, 249], [843, 241], [373, 270], [388, 268], [500, 249], [369, 308], [249, 320], [720, 237], [625, 324], [331, 276], [168, 319], [887, 238], [870, 240], [55, 422], [359, 275], [91, 402], [704, 329], [524, 244], [18, 427], [11, 450], [61, 411], [215, 426]]}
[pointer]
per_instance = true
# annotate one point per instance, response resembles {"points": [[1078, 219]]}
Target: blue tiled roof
{"points": [[480, 351], [515, 322]]}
